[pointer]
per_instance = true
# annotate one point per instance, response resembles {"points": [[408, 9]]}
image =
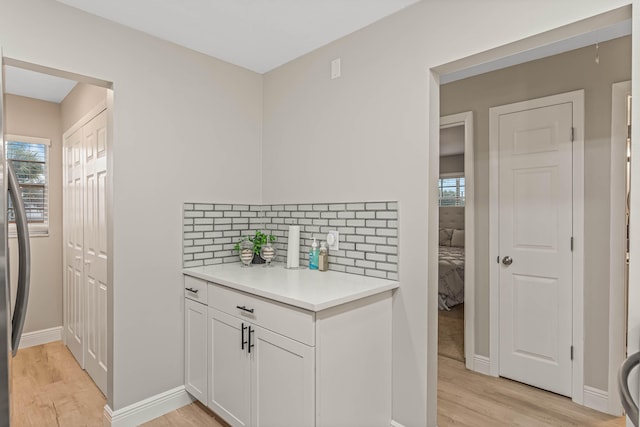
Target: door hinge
{"points": [[498, 259], [573, 134], [571, 352], [571, 243], [628, 131]]}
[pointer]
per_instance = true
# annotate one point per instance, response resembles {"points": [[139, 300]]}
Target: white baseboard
{"points": [[481, 364], [396, 424], [30, 339], [148, 409], [595, 399]]}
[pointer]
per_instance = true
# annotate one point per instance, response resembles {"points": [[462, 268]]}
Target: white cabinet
{"points": [[282, 381], [258, 377], [229, 368], [271, 364], [195, 363]]}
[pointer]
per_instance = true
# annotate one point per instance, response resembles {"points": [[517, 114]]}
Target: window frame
{"points": [[456, 175], [35, 228]]}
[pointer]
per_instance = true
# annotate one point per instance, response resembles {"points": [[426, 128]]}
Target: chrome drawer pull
{"points": [[244, 308], [195, 291]]}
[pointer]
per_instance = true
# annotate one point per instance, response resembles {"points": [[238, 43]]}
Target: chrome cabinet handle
{"points": [[195, 291], [244, 308], [507, 260]]}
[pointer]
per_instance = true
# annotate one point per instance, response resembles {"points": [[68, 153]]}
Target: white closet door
{"points": [[74, 246], [95, 247]]}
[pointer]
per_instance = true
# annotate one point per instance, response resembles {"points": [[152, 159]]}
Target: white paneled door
{"points": [[535, 245], [85, 308], [74, 247], [95, 247]]}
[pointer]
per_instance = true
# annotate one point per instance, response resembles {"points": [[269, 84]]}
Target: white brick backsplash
{"points": [[376, 257], [202, 207], [375, 206], [387, 214], [346, 215], [365, 264], [365, 248], [376, 223], [368, 233], [355, 270], [355, 206], [365, 215], [193, 214], [376, 240]]}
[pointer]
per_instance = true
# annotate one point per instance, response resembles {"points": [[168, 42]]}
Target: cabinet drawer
{"points": [[292, 322], [195, 289]]}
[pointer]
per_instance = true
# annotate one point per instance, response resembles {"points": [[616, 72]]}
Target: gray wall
{"points": [[189, 127], [366, 136], [452, 164], [82, 99], [557, 74], [184, 126], [32, 117]]}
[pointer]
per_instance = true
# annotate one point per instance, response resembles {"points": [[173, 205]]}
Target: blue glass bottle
{"points": [[313, 255]]}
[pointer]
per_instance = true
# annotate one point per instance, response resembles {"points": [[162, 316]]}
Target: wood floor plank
{"points": [[194, 415], [468, 398], [50, 389]]}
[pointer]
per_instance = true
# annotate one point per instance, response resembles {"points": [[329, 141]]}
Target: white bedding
{"points": [[450, 277]]}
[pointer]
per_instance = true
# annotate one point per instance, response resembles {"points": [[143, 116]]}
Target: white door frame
{"points": [[577, 99], [466, 119], [617, 244]]}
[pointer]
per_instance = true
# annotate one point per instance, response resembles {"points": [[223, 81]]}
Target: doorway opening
{"points": [[456, 269], [43, 103], [461, 85]]}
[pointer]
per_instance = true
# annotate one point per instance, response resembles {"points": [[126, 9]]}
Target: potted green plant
{"points": [[256, 243], [259, 240]]}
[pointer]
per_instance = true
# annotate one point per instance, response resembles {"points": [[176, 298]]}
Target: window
{"points": [[30, 159], [451, 191]]}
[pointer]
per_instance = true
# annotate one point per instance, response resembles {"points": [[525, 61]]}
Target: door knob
{"points": [[507, 260]]}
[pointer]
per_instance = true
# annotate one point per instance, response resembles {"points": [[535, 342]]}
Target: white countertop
{"points": [[304, 288]]}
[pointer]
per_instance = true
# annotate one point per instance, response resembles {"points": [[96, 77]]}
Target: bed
{"points": [[451, 258]]}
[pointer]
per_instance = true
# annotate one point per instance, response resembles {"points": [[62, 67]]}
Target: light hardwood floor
{"points": [[50, 389], [467, 398]]}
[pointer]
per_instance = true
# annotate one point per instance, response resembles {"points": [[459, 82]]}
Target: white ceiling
{"points": [[18, 81], [256, 34], [260, 34]]}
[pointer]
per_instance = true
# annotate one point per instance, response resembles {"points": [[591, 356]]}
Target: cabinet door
{"points": [[229, 368], [282, 381], [195, 358]]}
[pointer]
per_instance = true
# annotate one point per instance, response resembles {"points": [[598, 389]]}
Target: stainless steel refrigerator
{"points": [[11, 318]]}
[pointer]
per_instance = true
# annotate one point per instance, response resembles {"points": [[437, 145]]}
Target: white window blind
{"points": [[30, 159], [451, 191]]}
